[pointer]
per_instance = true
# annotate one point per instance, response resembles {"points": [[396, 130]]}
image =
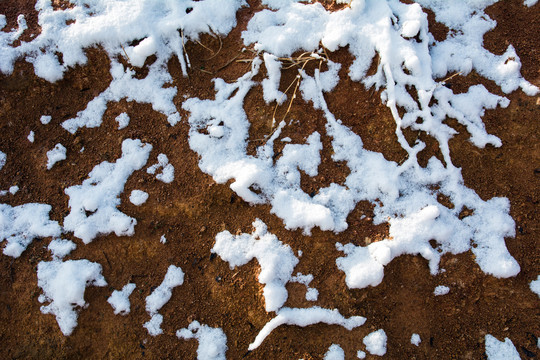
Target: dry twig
{"points": [[127, 58], [442, 82], [300, 62]]}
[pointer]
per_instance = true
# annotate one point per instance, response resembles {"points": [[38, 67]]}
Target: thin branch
{"points": [[442, 82], [127, 57], [228, 63], [220, 47]]}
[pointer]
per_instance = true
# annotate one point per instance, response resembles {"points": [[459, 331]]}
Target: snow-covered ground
{"points": [[410, 73]]}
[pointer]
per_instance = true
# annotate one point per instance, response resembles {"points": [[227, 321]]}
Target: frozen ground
{"points": [[296, 176]]}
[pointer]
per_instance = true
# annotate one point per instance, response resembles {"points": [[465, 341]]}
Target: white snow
{"points": [[160, 296], [411, 235], [403, 194], [3, 158], [163, 239], [13, 189], [376, 342], [441, 290], [409, 57], [122, 120], [535, 286], [45, 119], [410, 61], [335, 352], [6, 40], [499, 350], [212, 341], [270, 85], [311, 293], [255, 178], [360, 268], [162, 25], [326, 81], [60, 248], [415, 339], [31, 136], [93, 204], [20, 225], [138, 197], [153, 326], [277, 260], [167, 174], [305, 317], [360, 354], [63, 285], [119, 300], [58, 153]]}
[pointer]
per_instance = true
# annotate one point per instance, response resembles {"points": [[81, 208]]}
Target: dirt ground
{"points": [[193, 209]]}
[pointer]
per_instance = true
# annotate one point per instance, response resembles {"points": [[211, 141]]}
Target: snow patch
{"points": [[400, 193], [63, 285], [161, 26], [376, 342], [58, 153], [311, 293], [167, 174], [138, 197], [306, 317], [153, 326], [212, 341], [122, 120], [535, 286], [499, 350], [277, 260], [3, 158], [45, 119], [160, 296], [270, 85], [441, 290], [415, 339], [20, 225], [60, 248], [335, 352], [93, 204], [119, 300]]}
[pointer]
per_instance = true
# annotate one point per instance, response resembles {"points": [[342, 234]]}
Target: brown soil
{"points": [[193, 209]]}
